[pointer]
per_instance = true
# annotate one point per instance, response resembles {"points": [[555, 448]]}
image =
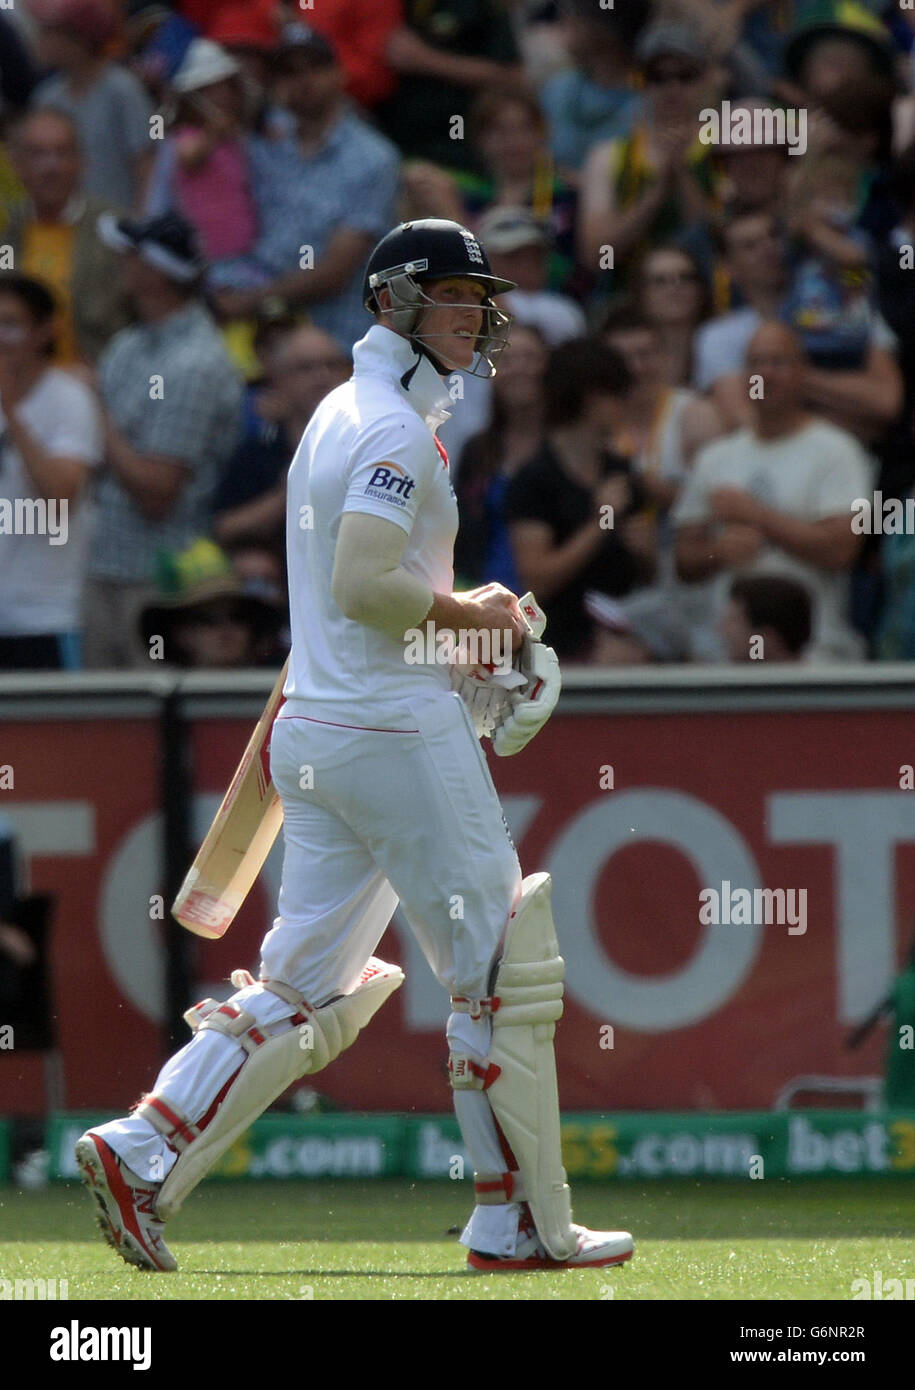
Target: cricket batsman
{"points": [[387, 798]]}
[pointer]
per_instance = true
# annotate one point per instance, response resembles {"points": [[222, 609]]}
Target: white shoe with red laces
{"points": [[126, 1205], [596, 1249]]}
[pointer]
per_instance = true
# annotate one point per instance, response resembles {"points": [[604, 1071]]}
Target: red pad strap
{"points": [[476, 1008], [178, 1129]]}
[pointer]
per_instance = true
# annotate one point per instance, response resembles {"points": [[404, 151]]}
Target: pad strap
{"points": [[303, 1010], [236, 1024], [476, 1008], [495, 1189], [466, 1073], [175, 1128], [195, 1016]]}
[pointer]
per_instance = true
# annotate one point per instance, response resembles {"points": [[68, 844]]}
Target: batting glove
{"points": [[531, 706]]}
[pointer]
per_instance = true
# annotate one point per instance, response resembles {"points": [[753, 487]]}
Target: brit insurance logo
{"points": [[390, 483]]}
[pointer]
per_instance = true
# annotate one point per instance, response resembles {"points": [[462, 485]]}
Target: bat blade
{"points": [[239, 840]]}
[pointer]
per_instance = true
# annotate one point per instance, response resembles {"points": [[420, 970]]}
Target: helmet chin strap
{"points": [[421, 350]]}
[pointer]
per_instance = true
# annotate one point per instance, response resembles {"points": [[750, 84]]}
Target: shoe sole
{"points": [[478, 1264], [102, 1180]]}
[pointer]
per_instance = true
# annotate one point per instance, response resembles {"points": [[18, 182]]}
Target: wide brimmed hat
{"points": [[668, 39], [839, 19], [197, 577], [168, 242], [204, 63]]}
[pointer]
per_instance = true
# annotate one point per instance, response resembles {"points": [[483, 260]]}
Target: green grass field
{"points": [[389, 1240]]}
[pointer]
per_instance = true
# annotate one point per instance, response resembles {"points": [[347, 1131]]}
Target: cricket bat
{"points": [[240, 838]]}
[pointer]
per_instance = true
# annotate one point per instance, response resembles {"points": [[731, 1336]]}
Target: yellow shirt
{"points": [[47, 255]]}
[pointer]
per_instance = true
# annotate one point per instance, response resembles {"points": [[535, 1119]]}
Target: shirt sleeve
{"points": [[692, 505], [390, 471], [717, 354], [372, 204], [159, 189], [882, 336], [844, 476], [74, 428]]}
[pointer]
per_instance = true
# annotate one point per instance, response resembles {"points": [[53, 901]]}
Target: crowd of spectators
{"points": [[708, 207]]}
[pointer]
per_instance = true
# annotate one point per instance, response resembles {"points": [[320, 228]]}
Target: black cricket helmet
{"points": [[434, 249]]}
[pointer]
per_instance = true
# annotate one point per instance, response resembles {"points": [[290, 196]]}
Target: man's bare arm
{"points": [[371, 586]]}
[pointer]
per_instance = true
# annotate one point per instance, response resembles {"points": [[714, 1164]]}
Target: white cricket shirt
{"points": [[369, 447]]}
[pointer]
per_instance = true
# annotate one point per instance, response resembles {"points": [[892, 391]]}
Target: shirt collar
{"points": [[183, 320], [384, 353]]}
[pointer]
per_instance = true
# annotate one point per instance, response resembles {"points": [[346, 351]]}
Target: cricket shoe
{"points": [[595, 1250], [126, 1205]]}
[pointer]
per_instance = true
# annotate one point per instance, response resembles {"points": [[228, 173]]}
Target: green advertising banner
{"points": [[810, 1143], [747, 1144], [276, 1146]]}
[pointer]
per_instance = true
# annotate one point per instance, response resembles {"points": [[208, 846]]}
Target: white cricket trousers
{"points": [[372, 817]]}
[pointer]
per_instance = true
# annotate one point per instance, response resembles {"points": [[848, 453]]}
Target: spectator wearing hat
{"points": [[50, 442], [172, 405], [54, 236], [359, 31], [834, 43], [108, 103], [518, 247], [656, 183], [331, 188], [596, 99], [202, 168], [204, 617]]}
